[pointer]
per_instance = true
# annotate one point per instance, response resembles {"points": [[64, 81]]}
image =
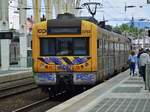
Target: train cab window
{"points": [[64, 46], [72, 46], [80, 46], [47, 47]]}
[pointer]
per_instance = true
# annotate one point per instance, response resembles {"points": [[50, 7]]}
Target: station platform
{"points": [[9, 75], [122, 93], [14, 70]]}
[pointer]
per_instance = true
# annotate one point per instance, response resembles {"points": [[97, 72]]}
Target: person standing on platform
{"points": [[138, 59], [144, 59], [138, 56], [132, 59]]}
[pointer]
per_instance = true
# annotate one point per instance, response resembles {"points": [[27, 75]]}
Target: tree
{"points": [[133, 31]]}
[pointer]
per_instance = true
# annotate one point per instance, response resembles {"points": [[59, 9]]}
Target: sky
{"points": [[112, 11]]}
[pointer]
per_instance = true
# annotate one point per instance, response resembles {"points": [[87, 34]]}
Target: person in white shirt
{"points": [[144, 59]]}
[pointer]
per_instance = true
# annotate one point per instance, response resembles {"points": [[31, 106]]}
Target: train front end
{"points": [[64, 52]]}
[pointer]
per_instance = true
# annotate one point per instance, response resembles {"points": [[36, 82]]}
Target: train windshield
{"points": [[64, 46]]}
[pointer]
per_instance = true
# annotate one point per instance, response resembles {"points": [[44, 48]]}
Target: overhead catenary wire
{"points": [[109, 5]]}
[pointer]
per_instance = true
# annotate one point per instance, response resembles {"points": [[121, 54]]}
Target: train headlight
{"points": [[45, 78]]}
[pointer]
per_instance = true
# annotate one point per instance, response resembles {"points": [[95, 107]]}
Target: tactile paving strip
{"points": [[127, 90], [122, 105], [128, 82]]}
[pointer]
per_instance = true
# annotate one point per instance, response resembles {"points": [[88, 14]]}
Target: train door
{"points": [[0, 54], [117, 56], [109, 53], [113, 56], [106, 59], [102, 57]]}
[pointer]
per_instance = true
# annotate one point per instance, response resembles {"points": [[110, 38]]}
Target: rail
{"points": [[13, 87], [30, 106]]}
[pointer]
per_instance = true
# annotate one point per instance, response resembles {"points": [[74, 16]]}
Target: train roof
{"points": [[90, 19], [122, 37]]}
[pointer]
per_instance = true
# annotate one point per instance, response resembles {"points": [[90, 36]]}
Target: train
{"points": [[70, 52]]}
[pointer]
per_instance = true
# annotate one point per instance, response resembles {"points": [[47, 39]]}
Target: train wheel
{"points": [[52, 92]]}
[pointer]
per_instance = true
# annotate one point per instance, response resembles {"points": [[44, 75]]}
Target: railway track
{"points": [[21, 90], [29, 107], [16, 86], [44, 104]]}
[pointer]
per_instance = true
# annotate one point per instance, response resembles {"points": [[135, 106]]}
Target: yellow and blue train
{"points": [[69, 51]]}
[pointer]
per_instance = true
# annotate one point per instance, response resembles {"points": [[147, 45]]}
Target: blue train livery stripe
{"points": [[65, 60]]}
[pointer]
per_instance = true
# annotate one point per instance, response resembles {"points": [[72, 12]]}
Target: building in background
{"points": [[141, 43]]}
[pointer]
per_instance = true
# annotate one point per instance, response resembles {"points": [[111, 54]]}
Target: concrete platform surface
{"points": [[10, 75], [122, 93]]}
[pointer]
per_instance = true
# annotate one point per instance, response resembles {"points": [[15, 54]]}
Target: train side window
{"points": [[81, 46], [116, 47], [98, 43], [120, 46], [31, 44], [100, 49], [101, 44], [106, 47], [47, 47], [111, 48]]}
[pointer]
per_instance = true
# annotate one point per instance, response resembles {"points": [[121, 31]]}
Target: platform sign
{"points": [[6, 35]]}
